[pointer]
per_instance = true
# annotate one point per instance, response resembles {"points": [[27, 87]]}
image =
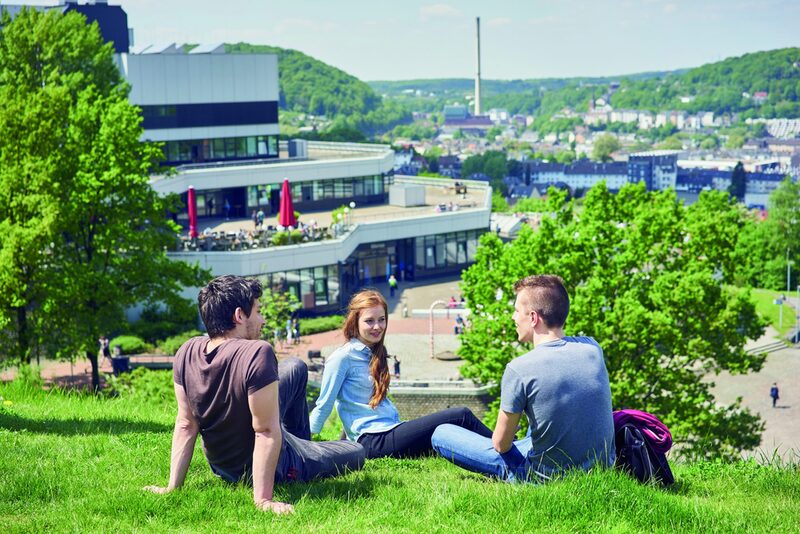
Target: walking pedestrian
{"points": [[774, 393]]}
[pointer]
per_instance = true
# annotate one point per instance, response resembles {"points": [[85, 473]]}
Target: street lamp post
{"points": [[352, 209], [788, 273], [346, 217]]}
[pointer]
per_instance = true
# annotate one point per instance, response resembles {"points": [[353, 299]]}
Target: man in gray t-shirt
{"points": [[561, 386]]}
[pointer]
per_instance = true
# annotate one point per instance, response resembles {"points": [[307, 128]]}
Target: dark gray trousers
{"points": [[303, 459]]}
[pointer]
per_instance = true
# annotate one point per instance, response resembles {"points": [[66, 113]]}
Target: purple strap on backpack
{"points": [[654, 431]]}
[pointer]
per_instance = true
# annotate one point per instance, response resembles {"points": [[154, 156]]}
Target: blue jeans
{"points": [[477, 454]]}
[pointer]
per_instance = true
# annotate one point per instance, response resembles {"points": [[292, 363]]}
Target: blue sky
{"points": [[390, 40]]}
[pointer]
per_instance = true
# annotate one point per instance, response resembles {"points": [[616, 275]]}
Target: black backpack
{"points": [[635, 457]]}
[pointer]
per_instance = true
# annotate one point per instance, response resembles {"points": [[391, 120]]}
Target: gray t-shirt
{"points": [[562, 386]]}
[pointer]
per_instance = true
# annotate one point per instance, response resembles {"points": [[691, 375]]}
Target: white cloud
{"points": [[434, 11], [670, 8]]}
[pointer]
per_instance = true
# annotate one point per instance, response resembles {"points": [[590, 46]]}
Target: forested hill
{"points": [[719, 87], [308, 85], [311, 86], [716, 87], [467, 85]]}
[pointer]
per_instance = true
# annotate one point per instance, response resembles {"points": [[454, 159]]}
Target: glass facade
{"points": [[315, 289], [319, 190], [221, 149], [442, 252]]}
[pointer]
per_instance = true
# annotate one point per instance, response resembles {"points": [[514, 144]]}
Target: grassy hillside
{"points": [[77, 463]]}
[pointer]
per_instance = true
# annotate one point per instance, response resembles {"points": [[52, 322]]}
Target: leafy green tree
{"points": [[640, 146], [104, 229], [277, 307], [709, 142], [432, 156], [155, 323], [530, 205], [492, 163], [764, 247], [499, 204], [604, 147], [566, 157], [672, 142], [734, 141], [648, 278], [738, 185], [493, 132]]}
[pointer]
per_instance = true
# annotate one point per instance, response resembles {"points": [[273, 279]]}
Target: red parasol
{"points": [[192, 201], [286, 215]]}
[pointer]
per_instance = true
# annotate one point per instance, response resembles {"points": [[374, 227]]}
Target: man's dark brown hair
{"points": [[547, 296], [218, 301]]}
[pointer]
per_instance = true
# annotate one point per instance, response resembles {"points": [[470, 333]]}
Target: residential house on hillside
{"points": [[450, 166]]}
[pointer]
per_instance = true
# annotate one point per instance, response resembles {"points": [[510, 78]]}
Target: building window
{"points": [[251, 147]]}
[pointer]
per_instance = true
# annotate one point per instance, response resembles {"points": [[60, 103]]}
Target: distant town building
{"points": [[450, 166], [658, 169], [499, 115], [455, 112]]}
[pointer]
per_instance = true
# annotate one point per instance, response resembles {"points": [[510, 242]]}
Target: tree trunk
{"points": [[23, 348], [95, 370]]}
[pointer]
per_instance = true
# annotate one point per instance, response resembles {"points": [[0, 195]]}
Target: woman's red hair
{"points": [[378, 366]]}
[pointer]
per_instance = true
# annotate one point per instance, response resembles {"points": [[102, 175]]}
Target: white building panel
{"points": [[210, 132], [164, 79], [269, 173]]}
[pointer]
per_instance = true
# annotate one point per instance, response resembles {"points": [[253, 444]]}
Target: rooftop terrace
{"points": [[441, 201]]}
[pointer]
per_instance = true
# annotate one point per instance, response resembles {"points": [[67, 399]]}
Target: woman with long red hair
{"points": [[356, 382]]}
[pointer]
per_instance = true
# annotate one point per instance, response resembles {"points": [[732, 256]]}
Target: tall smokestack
{"points": [[478, 74]]}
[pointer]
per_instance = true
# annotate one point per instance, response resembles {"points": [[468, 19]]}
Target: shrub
{"points": [[282, 238], [172, 344], [160, 322], [30, 375], [320, 324], [153, 386], [129, 344]]}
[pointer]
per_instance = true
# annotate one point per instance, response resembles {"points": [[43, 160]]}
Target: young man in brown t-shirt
{"points": [[250, 410]]}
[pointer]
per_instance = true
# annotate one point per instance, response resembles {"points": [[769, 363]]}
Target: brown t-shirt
{"points": [[217, 385]]}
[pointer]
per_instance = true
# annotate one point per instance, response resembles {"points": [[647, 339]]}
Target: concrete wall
{"points": [[413, 402]]}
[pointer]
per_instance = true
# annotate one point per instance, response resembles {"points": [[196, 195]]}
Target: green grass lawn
{"points": [[765, 304], [77, 463]]}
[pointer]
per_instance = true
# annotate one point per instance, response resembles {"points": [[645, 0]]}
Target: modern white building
{"points": [[204, 104], [217, 115]]}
